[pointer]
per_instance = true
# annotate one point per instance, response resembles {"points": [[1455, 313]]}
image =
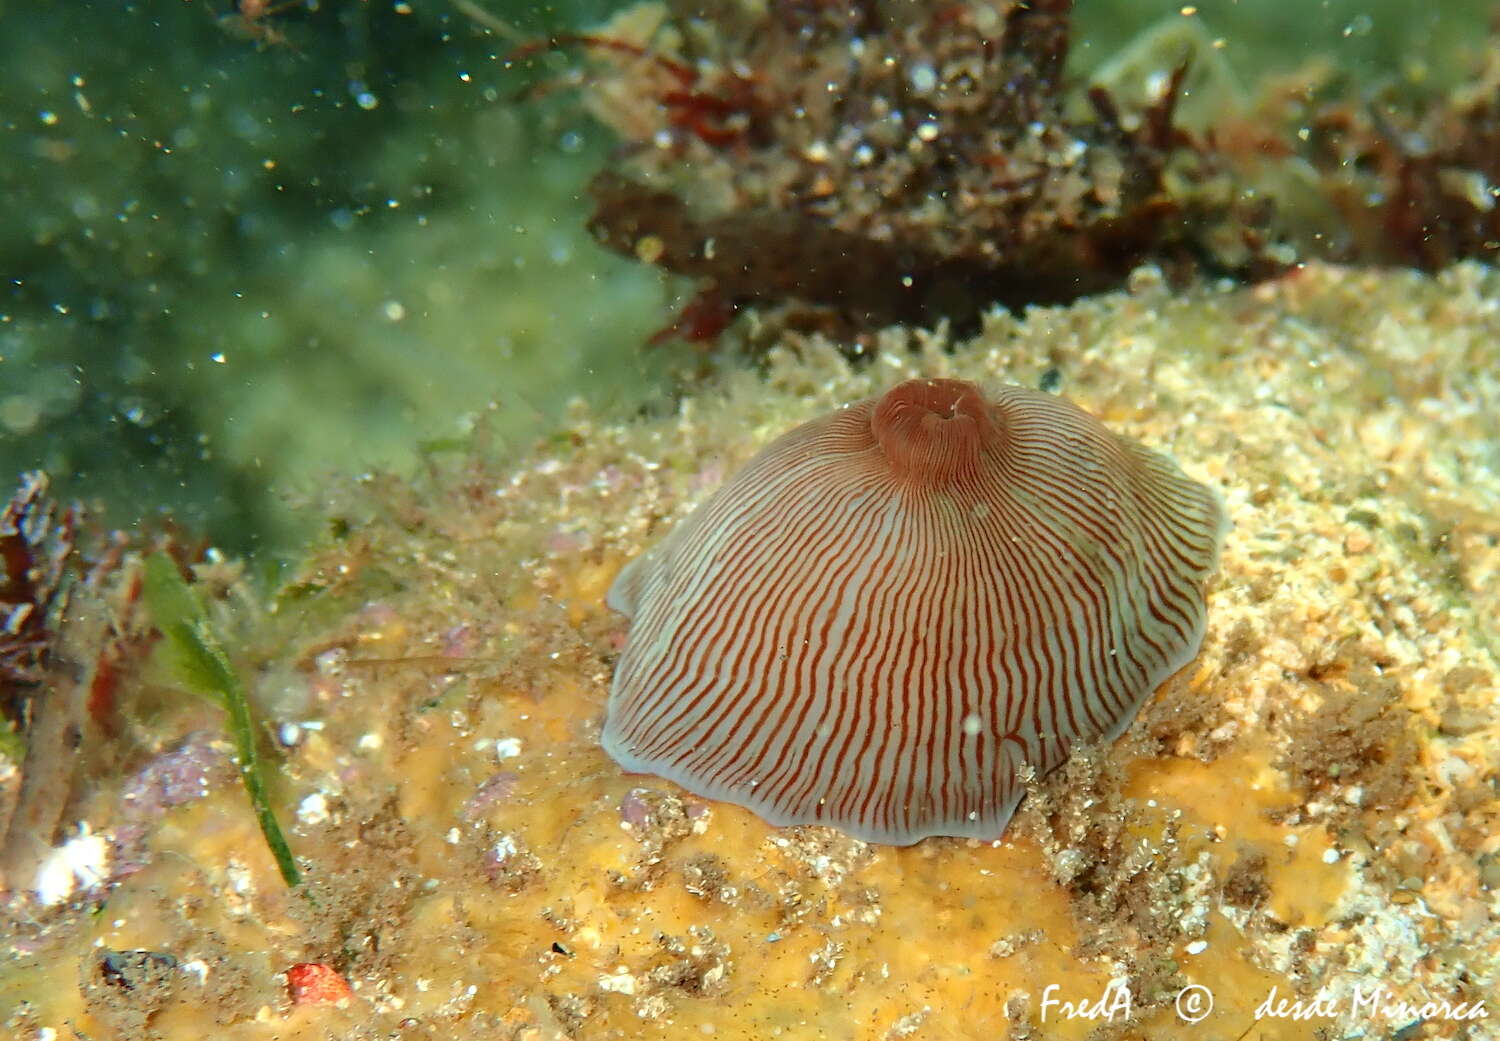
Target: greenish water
{"points": [[236, 262], [233, 266]]}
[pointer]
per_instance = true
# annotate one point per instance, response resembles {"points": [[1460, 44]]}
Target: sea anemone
{"points": [[895, 609]]}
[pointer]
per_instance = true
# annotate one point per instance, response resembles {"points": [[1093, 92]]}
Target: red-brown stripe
{"points": [[892, 608]]}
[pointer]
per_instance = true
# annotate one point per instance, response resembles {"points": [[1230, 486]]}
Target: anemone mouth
{"points": [[933, 432]]}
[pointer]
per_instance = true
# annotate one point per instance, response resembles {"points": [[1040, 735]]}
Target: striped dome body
{"points": [[892, 608]]}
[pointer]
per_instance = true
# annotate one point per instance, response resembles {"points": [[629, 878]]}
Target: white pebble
{"points": [[81, 860], [620, 983], [313, 809]]}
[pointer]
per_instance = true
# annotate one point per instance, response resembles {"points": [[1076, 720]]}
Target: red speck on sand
{"points": [[313, 983]]}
